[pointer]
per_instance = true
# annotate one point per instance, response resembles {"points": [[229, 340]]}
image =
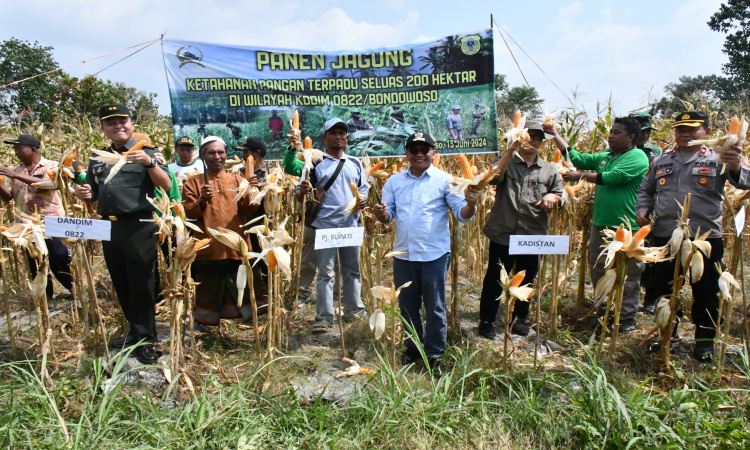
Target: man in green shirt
{"points": [[645, 120], [618, 175]]}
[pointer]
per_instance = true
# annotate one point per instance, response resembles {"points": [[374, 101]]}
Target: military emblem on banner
{"points": [[470, 45], [194, 56]]}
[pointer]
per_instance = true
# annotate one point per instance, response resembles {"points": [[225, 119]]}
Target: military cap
{"points": [[113, 110], [644, 119], [691, 119]]}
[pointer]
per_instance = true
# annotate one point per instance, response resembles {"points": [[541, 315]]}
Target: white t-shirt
{"points": [[181, 171]]}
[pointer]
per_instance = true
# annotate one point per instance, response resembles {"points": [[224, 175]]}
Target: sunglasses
{"points": [[418, 150]]}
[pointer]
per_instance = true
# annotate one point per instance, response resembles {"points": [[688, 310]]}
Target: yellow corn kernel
{"points": [[201, 244], [249, 169], [377, 166], [620, 234], [734, 126], [516, 118], [518, 279], [463, 163]]}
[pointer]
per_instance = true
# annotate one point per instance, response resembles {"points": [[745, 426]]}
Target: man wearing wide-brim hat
{"points": [[19, 185], [697, 170], [528, 188]]}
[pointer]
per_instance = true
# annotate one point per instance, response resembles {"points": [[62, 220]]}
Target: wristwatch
{"points": [[152, 164]]}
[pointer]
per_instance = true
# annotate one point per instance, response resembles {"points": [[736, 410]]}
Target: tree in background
{"points": [[21, 59], [733, 18], [729, 93], [509, 99]]}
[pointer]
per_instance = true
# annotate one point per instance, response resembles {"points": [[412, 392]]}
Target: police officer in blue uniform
{"points": [[130, 253], [697, 170]]}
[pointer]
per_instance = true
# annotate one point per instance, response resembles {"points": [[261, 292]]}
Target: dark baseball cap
{"points": [[691, 119], [113, 110], [25, 139], [184, 140], [644, 119], [253, 143], [420, 137], [335, 122]]}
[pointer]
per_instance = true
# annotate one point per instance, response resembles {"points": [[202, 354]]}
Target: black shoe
{"points": [[122, 342], [704, 351], [626, 326], [486, 330], [262, 308], [410, 356], [436, 367], [520, 328], [147, 354], [649, 308]]}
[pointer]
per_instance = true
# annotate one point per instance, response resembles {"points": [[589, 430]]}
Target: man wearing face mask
{"points": [[527, 189], [419, 201]]}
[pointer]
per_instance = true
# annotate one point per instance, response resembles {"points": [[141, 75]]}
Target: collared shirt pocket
{"points": [[703, 178], [665, 181]]}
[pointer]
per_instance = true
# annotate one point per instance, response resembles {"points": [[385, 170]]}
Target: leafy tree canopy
{"points": [[509, 99], [21, 59]]}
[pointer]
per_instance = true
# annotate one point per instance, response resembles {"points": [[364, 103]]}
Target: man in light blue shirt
{"points": [[333, 214], [419, 200]]}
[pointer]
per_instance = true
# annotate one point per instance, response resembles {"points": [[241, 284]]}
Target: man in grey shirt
{"points": [[453, 122], [333, 214]]}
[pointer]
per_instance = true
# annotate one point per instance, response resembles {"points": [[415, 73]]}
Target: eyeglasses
{"points": [[418, 150]]}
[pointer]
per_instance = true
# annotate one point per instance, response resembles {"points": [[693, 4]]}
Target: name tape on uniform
{"points": [[539, 245], [339, 237], [75, 228]]}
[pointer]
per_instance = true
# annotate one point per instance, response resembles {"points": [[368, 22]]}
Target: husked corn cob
{"points": [[377, 166], [201, 244], [295, 120], [466, 171], [734, 126], [249, 169], [308, 143], [436, 160], [517, 118]]}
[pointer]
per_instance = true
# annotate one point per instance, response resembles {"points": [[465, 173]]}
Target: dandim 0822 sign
{"points": [[77, 228]]}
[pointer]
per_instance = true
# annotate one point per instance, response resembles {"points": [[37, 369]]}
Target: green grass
{"points": [[581, 405]]}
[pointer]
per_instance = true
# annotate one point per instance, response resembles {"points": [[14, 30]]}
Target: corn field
{"points": [[61, 344]]}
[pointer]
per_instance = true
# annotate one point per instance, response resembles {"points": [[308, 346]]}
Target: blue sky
{"points": [[621, 52]]}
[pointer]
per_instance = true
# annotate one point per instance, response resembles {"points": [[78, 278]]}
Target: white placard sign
{"points": [[539, 245], [739, 221], [75, 228], [339, 237]]}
